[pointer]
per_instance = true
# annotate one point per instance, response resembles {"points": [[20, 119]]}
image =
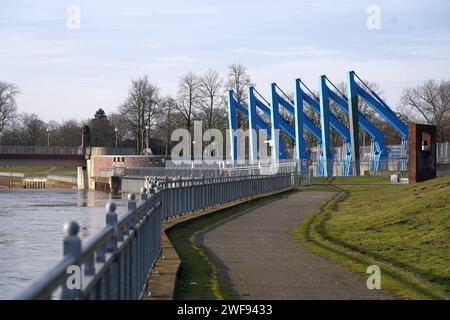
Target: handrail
{"points": [[125, 251], [44, 150], [43, 287]]}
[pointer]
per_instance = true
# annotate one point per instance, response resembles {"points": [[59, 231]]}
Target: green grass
{"points": [[404, 229], [351, 179], [199, 278], [30, 169]]}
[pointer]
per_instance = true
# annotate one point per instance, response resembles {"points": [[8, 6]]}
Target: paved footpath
{"points": [[259, 256]]}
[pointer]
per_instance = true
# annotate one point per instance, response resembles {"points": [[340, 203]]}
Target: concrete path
{"points": [[258, 255]]}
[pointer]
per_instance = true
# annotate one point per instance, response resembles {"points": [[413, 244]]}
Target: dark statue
{"points": [[86, 137]]}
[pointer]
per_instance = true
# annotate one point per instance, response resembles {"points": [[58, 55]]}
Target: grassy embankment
{"points": [[198, 278], [38, 170], [403, 229]]}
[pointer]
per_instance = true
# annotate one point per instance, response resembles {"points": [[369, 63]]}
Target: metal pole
{"points": [[71, 246], [116, 131]]}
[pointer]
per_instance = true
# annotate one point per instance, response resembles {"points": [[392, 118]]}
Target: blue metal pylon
{"points": [[301, 120], [325, 126], [375, 101], [327, 119], [314, 103], [341, 100]]}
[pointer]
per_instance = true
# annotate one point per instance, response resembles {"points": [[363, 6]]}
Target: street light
{"points": [[148, 136], [116, 131], [48, 137]]}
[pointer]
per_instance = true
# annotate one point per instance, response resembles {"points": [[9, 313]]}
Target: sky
{"points": [[68, 72]]}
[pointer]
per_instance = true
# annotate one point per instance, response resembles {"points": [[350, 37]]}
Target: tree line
{"points": [[145, 117], [148, 118]]}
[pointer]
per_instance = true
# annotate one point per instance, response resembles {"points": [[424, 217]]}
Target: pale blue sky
{"points": [[69, 73]]}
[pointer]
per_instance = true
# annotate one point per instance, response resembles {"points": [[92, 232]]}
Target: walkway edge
{"points": [[161, 285]]}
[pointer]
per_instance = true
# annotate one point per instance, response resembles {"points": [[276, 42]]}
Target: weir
{"points": [[281, 104]]}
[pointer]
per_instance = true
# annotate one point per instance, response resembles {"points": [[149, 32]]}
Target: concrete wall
{"points": [[118, 161], [97, 151]]}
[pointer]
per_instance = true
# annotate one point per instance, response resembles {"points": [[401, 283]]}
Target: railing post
{"points": [[131, 202], [72, 247], [111, 247], [111, 220], [144, 195]]}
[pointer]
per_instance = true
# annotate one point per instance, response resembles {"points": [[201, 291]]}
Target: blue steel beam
{"points": [[275, 121], [379, 105], [308, 123], [325, 125], [258, 122], [375, 101], [376, 135], [252, 117], [353, 102], [335, 124], [232, 120], [277, 142], [301, 121]]}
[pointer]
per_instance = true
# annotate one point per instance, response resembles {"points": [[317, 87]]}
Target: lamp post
{"points": [[48, 137], [117, 132], [193, 154], [147, 128]]}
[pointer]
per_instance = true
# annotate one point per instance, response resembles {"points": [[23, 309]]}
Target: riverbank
{"points": [[402, 228], [38, 178]]}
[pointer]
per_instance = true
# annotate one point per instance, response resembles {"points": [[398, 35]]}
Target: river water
{"points": [[31, 229]]}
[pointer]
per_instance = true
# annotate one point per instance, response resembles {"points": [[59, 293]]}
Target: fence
{"points": [[38, 150], [204, 171], [337, 168], [55, 150], [116, 262]]}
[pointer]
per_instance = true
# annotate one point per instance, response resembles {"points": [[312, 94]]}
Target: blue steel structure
{"points": [[375, 101], [341, 100], [280, 101], [315, 105], [301, 121], [257, 102]]}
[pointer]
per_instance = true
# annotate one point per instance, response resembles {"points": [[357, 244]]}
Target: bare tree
{"points": [[238, 80], [68, 134], [168, 119], [33, 128], [212, 100], [8, 108], [124, 130], [140, 108], [188, 98], [431, 102]]}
